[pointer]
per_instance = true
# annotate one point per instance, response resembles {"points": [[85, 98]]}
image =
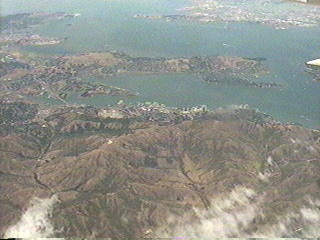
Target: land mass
{"points": [[123, 171], [15, 29], [275, 13], [62, 75], [58, 76]]}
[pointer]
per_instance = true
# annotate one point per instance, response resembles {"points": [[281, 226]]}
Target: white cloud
{"points": [[233, 216], [35, 222]]}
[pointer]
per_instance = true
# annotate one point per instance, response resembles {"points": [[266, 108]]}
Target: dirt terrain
{"points": [[123, 177]]}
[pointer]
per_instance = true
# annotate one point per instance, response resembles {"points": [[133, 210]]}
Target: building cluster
{"points": [[275, 13]]}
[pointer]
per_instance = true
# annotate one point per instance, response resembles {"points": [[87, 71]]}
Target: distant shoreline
{"points": [[311, 2]]}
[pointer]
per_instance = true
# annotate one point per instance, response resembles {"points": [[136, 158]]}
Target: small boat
{"points": [[315, 62]]}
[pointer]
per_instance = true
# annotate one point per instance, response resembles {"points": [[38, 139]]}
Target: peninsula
{"points": [[58, 76], [62, 75], [15, 29]]}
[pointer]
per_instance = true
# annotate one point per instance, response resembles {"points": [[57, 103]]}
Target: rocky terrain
{"points": [[113, 172]]}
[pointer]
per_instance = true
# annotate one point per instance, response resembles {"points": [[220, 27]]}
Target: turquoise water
{"points": [[108, 25]]}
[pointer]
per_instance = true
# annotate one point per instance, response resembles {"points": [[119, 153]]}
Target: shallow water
{"points": [[108, 25]]}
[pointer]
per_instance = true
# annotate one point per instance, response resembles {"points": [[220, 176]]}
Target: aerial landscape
{"points": [[181, 119]]}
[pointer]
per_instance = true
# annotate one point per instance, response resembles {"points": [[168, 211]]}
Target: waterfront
{"points": [[192, 121], [106, 25]]}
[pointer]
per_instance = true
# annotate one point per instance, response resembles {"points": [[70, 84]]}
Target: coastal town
{"points": [[16, 29], [274, 13], [21, 116]]}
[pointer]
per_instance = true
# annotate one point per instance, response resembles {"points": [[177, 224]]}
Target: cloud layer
{"points": [[235, 216]]}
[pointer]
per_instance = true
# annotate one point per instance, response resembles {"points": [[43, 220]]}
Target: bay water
{"points": [[108, 25]]}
